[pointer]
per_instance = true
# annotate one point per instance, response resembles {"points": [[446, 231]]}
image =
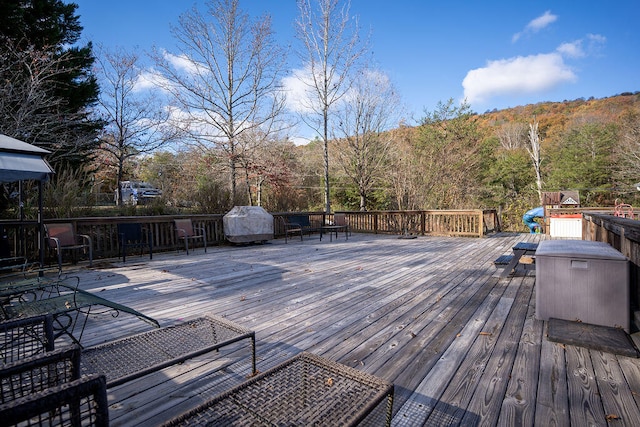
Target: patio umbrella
{"points": [[20, 161]]}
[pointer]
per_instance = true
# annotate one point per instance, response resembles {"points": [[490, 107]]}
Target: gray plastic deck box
{"points": [[583, 281]]}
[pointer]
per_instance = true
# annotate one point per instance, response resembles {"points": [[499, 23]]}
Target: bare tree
{"points": [[370, 109], [533, 148], [30, 107], [135, 121], [225, 79], [512, 135], [331, 48]]}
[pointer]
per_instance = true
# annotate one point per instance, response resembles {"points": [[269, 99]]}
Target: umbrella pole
{"points": [[40, 228]]}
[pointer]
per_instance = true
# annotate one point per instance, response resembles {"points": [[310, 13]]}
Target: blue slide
{"points": [[529, 219]]}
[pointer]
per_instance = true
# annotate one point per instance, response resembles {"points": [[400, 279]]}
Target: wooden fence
{"points": [[20, 238], [624, 235]]}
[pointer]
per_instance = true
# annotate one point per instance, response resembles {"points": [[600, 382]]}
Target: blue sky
{"points": [[496, 54]]}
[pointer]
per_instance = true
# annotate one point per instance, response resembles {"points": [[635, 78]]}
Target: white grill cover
{"points": [[245, 224]]}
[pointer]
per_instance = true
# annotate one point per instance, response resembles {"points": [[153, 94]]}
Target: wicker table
{"points": [[305, 390], [131, 357]]}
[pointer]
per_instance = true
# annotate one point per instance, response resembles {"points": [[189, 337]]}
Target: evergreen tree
{"points": [[49, 84]]}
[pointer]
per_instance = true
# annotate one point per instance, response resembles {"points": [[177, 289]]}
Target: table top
{"points": [[525, 246], [305, 390]]}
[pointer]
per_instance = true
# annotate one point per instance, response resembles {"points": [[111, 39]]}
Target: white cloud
{"points": [[595, 43], [299, 90], [149, 79], [541, 22], [536, 25], [517, 76], [571, 50]]}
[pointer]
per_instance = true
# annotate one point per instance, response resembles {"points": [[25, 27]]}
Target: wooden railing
{"points": [[624, 235], [474, 223], [20, 238]]}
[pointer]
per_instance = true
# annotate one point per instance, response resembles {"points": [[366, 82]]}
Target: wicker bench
{"points": [[131, 357], [305, 390], [81, 402]]}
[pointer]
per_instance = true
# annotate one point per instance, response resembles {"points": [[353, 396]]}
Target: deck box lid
{"points": [[578, 249]]}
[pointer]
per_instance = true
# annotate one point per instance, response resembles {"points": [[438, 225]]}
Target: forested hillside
{"points": [[458, 159]]}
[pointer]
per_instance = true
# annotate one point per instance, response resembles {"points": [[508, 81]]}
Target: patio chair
{"points": [[133, 235], [80, 402], [290, 228], [63, 237], [186, 231], [21, 338], [340, 219], [37, 373]]}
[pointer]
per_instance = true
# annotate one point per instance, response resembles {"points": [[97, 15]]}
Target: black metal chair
{"points": [[133, 235]]}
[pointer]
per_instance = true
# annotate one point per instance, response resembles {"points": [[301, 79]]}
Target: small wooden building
{"points": [[560, 224]]}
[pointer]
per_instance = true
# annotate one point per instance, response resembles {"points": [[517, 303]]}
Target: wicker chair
{"points": [[26, 337], [81, 402], [38, 373]]}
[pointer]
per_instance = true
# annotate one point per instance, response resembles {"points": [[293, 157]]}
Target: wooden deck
{"points": [[430, 314]]}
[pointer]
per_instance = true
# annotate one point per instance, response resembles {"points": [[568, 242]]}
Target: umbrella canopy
{"points": [[20, 161]]}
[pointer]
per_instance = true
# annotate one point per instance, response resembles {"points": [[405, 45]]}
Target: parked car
{"points": [[134, 192]]}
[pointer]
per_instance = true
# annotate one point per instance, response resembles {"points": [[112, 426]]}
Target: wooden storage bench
{"points": [[131, 357]]}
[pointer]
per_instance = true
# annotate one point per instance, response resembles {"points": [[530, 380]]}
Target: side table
{"points": [[304, 390]]}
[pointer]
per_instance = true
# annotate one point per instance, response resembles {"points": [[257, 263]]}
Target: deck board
{"points": [[431, 314]]}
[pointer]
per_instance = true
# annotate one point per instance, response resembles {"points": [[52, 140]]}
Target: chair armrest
{"points": [[86, 238], [54, 242], [181, 232], [201, 230]]}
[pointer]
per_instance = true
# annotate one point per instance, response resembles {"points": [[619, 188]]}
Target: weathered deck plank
{"points": [[429, 314]]}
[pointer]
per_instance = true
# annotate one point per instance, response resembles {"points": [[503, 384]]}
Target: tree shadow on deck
{"points": [[419, 409]]}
